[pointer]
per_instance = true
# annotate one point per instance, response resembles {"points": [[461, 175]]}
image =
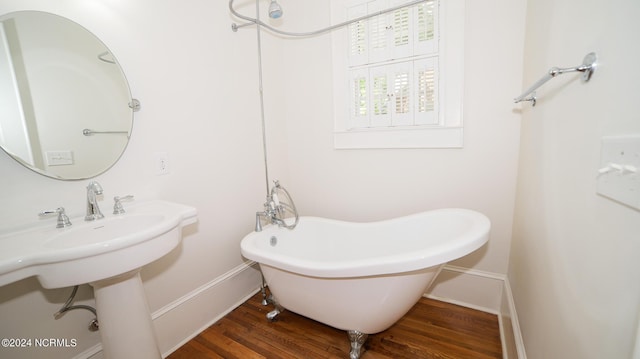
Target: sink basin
{"points": [[91, 251], [105, 233]]}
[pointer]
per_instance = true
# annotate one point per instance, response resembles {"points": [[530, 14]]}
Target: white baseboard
{"points": [[469, 287], [484, 291], [509, 312], [95, 352], [185, 318]]}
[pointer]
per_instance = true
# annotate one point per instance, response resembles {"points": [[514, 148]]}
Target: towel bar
{"points": [[587, 68]]}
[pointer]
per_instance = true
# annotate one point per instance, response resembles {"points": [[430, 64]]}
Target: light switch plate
{"points": [[619, 174]]}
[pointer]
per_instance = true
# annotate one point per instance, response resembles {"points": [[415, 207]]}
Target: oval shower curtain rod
{"points": [[252, 21]]}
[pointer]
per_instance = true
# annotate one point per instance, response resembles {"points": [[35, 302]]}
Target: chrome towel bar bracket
{"points": [[587, 68]]}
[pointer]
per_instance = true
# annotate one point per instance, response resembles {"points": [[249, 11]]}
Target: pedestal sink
{"points": [[107, 254]]}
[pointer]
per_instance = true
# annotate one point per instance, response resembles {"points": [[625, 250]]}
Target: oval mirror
{"points": [[65, 107]]}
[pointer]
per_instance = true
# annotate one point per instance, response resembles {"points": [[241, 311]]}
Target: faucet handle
{"points": [[63, 219], [117, 205]]}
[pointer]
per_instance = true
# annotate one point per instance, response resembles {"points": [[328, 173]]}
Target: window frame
{"points": [[447, 131]]}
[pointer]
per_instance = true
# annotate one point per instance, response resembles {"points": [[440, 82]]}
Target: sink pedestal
{"points": [[126, 328]]}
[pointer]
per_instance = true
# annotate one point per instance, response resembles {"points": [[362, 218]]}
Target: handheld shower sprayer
{"points": [[276, 210]]}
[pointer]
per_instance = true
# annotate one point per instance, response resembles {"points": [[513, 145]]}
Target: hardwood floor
{"points": [[431, 329]]}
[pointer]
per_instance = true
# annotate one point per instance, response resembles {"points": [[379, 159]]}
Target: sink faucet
{"points": [[63, 219], [93, 211]]}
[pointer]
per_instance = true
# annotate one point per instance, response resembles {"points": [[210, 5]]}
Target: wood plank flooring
{"points": [[432, 329]]}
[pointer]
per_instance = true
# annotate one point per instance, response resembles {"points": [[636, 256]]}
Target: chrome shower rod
{"points": [[252, 21], [587, 68]]}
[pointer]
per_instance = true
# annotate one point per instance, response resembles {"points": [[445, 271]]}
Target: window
{"points": [[397, 78]]}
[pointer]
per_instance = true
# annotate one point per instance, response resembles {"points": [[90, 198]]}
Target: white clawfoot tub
{"points": [[362, 277]]}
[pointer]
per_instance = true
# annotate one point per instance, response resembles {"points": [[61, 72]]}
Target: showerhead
{"points": [[275, 10]]}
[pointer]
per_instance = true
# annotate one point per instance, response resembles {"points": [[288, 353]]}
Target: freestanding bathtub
{"points": [[361, 277]]}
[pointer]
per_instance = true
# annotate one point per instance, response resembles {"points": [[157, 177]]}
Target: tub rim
{"points": [[469, 241]]}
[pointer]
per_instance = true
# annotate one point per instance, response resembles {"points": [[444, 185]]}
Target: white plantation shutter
{"points": [[393, 65], [379, 32], [426, 102], [403, 34], [380, 96], [426, 28], [406, 32], [360, 98], [396, 65], [358, 39], [402, 105]]}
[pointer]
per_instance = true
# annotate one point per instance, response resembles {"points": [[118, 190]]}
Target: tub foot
{"points": [[357, 343], [272, 315]]}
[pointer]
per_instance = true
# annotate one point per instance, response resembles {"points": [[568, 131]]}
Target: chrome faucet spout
{"points": [[93, 211]]}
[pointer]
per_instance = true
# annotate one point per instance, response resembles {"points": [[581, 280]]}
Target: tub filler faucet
{"points": [[93, 211], [275, 210]]}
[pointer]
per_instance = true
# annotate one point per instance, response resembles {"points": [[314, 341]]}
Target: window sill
{"points": [[429, 137]]}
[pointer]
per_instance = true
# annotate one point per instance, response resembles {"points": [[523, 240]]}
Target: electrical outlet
{"points": [[162, 163]]}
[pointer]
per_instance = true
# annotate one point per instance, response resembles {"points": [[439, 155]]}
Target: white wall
{"points": [[574, 269], [197, 82], [365, 185]]}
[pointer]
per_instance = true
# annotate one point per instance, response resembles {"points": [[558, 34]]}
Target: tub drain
{"points": [[273, 241]]}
